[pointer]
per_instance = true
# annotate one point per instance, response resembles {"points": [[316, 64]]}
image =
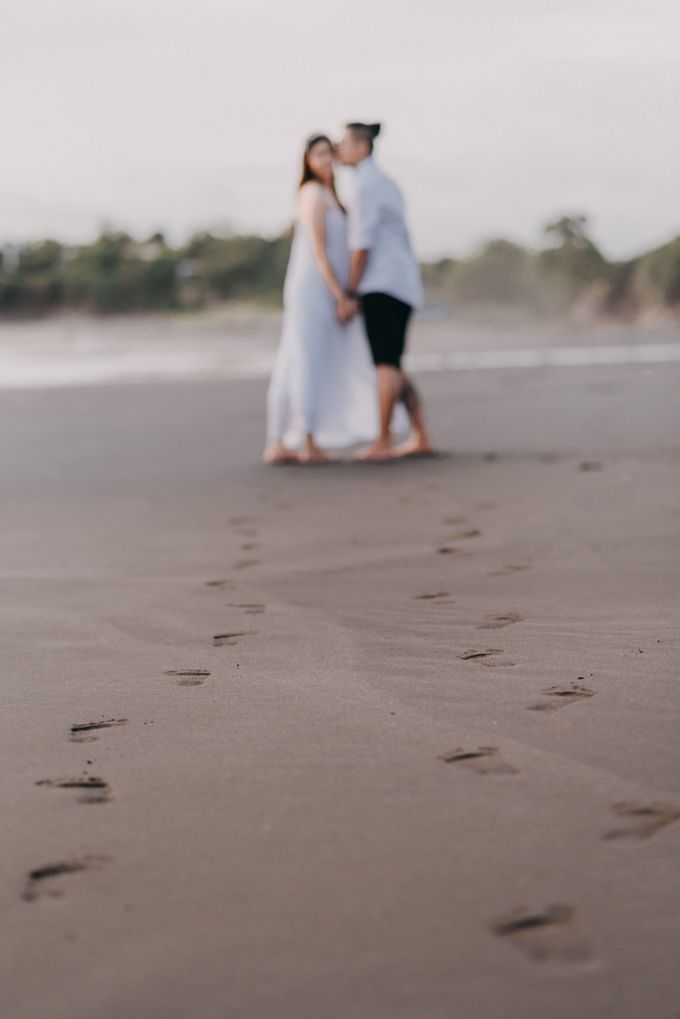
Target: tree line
{"points": [[118, 273]]}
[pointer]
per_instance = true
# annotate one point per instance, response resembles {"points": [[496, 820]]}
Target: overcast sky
{"points": [[189, 114]]}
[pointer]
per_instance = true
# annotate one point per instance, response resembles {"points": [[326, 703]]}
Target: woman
{"points": [[322, 392]]}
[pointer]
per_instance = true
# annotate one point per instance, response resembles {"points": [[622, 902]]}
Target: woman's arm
{"points": [[312, 211]]}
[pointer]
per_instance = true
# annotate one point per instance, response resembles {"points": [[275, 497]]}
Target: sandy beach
{"points": [[356, 742]]}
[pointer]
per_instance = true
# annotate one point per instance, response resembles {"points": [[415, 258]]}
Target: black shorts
{"points": [[386, 320]]}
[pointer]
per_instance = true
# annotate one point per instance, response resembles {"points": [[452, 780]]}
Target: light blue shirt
{"points": [[377, 224]]}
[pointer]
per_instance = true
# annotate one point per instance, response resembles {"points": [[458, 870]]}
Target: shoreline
{"points": [[80, 351]]}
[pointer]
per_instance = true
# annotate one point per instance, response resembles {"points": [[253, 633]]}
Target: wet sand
{"points": [[365, 742]]}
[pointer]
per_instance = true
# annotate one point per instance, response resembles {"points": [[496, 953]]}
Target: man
{"points": [[386, 280]]}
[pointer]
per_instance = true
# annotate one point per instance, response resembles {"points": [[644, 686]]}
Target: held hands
{"points": [[346, 309]]}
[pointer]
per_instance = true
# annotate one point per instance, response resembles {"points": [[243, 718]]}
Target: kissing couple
{"points": [[351, 286]]}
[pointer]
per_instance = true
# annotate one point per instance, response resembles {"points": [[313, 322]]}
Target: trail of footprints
{"points": [[551, 934], [47, 881], [547, 935], [244, 528]]}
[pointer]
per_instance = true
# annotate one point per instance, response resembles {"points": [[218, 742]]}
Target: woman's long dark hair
{"points": [[307, 172]]}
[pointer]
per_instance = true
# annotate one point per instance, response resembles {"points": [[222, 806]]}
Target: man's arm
{"points": [[363, 224], [357, 266]]}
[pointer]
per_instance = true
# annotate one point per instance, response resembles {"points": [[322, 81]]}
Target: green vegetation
{"points": [[568, 275], [117, 273]]}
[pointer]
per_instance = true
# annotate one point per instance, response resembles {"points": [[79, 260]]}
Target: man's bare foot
{"points": [[414, 447], [277, 453], [316, 456], [379, 452]]}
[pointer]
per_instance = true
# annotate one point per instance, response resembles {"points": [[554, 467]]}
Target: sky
{"points": [[184, 115]]}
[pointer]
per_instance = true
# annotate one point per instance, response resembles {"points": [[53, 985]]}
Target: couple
{"points": [[351, 276]]}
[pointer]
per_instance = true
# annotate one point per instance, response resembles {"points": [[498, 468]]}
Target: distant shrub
{"points": [[655, 278], [572, 263], [159, 283], [240, 266], [35, 285], [502, 272], [32, 295], [112, 276], [569, 275]]}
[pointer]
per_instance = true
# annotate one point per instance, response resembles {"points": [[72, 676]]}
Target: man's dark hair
{"points": [[364, 132]]}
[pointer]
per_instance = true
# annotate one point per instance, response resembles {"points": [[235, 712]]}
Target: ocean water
{"points": [[76, 352]]}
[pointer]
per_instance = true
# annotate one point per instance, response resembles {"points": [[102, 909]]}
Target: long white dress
{"points": [[324, 380]]}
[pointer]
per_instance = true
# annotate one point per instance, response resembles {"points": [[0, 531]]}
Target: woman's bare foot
{"points": [[379, 452], [316, 456], [414, 447], [313, 454], [276, 453]]}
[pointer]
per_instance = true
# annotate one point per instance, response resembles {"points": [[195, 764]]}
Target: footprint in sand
{"points": [[231, 639], [454, 520], [187, 672], [188, 677], [511, 568], [564, 695], [474, 532], [250, 546], [452, 550], [243, 526], [490, 653], [498, 622], [79, 731], [440, 596], [483, 760], [243, 564], [219, 583], [547, 935], [41, 881], [590, 465], [471, 654], [92, 789], [641, 820], [251, 608]]}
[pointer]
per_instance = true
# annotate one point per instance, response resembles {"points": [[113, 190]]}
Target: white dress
{"points": [[324, 380]]}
